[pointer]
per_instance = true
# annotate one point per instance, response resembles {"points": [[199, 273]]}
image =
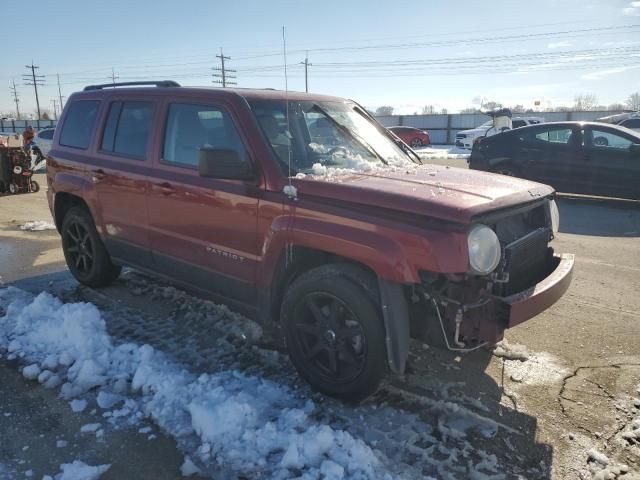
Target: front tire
{"points": [[416, 143], [84, 252], [35, 186], [13, 188], [335, 333]]}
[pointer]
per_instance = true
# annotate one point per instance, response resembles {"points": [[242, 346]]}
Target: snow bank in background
{"points": [[79, 471], [246, 424], [36, 226], [442, 152]]}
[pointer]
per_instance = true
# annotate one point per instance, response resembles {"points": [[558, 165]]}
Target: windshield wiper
{"points": [[355, 137], [408, 151]]}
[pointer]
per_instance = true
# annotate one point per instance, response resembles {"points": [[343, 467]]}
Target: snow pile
{"points": [[511, 351], [79, 471], [245, 424], [37, 226], [290, 191]]}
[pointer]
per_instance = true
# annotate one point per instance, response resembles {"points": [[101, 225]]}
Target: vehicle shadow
{"points": [[603, 217], [459, 385]]}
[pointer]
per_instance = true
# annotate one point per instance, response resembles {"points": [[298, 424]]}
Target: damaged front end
{"points": [[463, 312]]}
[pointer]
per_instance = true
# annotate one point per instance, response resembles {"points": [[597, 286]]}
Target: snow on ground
{"points": [[37, 225], [78, 471], [230, 421]]}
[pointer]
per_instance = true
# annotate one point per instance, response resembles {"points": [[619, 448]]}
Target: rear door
{"points": [[204, 230], [119, 175], [614, 169], [550, 154]]}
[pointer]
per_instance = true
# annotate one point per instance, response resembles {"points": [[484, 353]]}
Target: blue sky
{"points": [[450, 54]]}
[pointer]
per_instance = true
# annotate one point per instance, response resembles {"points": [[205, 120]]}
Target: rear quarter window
{"points": [[79, 123]]}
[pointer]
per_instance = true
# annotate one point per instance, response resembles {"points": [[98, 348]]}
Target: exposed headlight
{"points": [[484, 250], [555, 217]]}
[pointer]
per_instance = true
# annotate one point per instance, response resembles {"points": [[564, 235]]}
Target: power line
{"points": [[36, 81], [14, 91], [223, 77]]}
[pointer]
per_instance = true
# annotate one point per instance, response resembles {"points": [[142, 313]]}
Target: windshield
{"points": [[322, 135], [486, 124]]}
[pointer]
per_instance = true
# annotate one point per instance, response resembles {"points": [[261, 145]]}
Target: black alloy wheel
{"points": [[330, 337], [77, 243]]}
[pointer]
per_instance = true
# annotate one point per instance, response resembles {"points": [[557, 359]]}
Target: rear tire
{"points": [[13, 188], [35, 186], [334, 332], [84, 252], [416, 142]]}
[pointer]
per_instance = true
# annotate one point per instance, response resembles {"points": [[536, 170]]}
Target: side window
{"points": [[46, 134], [79, 123], [558, 135], [127, 128], [631, 123], [518, 123], [191, 127], [604, 139]]}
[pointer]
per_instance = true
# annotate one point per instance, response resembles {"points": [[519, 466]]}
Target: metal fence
{"points": [[18, 126], [443, 128]]}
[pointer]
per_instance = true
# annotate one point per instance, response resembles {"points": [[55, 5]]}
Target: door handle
{"points": [[97, 175], [165, 188]]}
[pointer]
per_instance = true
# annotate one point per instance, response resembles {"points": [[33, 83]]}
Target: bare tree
{"points": [[384, 110], [428, 110], [518, 109], [616, 106], [470, 110], [633, 102], [587, 101]]}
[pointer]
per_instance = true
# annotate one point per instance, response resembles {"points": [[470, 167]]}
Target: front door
{"points": [[203, 230]]}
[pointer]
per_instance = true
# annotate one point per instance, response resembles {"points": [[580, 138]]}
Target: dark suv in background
{"points": [[301, 211]]}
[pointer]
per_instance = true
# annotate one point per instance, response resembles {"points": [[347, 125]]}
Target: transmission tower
{"points": [[223, 78], [35, 80]]}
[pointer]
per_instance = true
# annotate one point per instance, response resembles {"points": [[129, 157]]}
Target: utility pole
{"points": [[223, 77], [59, 92], [55, 111], [113, 77], [15, 98], [35, 80], [306, 67]]}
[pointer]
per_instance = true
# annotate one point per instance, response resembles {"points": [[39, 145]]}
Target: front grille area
{"points": [[525, 261], [525, 243]]}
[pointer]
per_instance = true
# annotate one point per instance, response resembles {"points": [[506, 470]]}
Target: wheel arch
{"points": [[63, 202]]}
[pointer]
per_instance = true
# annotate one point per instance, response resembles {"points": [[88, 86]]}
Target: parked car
{"points": [[412, 136], [44, 140], [628, 119], [466, 138], [220, 191], [575, 157]]}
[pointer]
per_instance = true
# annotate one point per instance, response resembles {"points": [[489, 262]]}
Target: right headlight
{"points": [[484, 250]]}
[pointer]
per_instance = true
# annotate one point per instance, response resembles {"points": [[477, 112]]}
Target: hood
{"points": [[474, 131], [452, 194]]}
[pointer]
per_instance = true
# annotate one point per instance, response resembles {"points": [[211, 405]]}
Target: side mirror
{"points": [[635, 148], [223, 163]]}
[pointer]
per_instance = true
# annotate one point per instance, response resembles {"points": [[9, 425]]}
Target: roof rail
{"points": [[159, 83]]}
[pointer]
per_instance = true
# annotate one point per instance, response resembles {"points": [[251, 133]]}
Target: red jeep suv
{"points": [[303, 212]]}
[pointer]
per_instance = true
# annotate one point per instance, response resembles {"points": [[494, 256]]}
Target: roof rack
{"points": [[159, 83]]}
